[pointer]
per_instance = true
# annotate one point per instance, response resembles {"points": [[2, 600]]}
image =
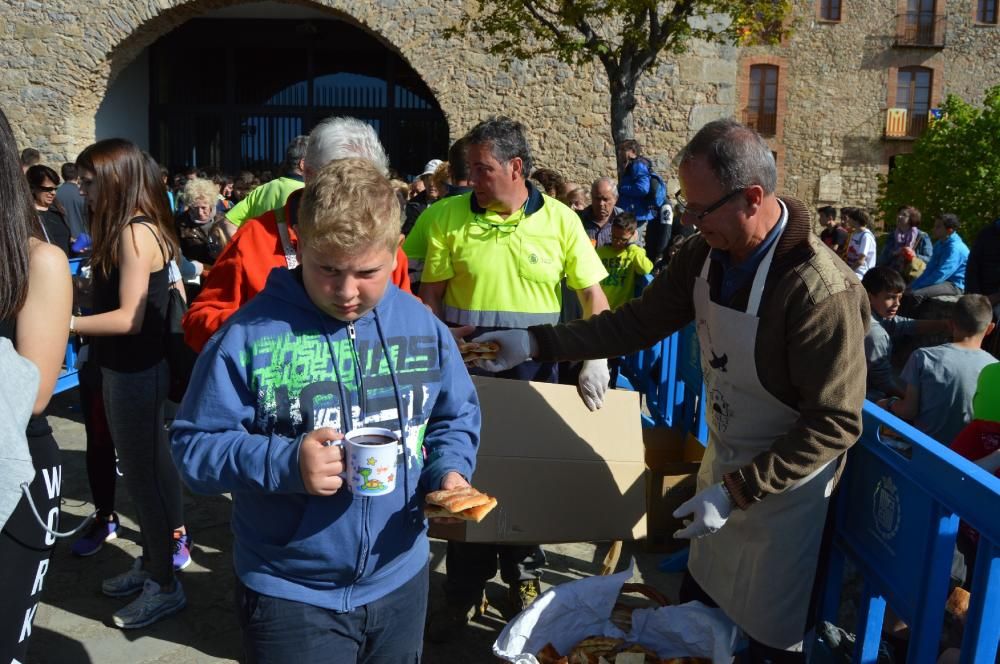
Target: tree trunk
{"points": [[622, 89]]}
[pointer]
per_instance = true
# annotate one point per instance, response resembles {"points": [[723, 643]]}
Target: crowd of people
{"points": [[330, 298]]}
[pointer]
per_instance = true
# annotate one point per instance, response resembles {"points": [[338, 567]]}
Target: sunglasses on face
{"points": [[47, 190]]}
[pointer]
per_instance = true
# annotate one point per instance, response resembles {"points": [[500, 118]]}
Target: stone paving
{"points": [[72, 623]]}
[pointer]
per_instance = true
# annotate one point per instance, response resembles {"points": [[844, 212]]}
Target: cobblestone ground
{"points": [[72, 623]]}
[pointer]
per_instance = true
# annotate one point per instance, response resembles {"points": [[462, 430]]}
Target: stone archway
{"points": [[112, 40]]}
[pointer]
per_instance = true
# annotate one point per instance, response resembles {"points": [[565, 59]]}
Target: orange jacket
{"points": [[241, 270]]}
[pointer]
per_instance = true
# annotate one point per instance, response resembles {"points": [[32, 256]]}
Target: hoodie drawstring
{"points": [[399, 409]]}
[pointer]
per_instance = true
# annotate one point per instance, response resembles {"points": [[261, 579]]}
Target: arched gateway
{"points": [[229, 89]]}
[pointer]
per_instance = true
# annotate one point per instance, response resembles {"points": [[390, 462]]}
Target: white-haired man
{"points": [[270, 241], [602, 211]]}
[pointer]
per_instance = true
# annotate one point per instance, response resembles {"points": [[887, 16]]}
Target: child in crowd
{"points": [[861, 246], [885, 289], [941, 380], [624, 260], [331, 346]]}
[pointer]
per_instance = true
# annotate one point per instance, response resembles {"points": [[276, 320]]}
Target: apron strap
{"points": [[753, 304], [761, 276]]}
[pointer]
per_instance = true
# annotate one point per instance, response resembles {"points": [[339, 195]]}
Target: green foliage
{"points": [[625, 35], [954, 167]]}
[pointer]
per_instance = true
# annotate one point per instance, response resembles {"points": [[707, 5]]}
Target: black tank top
{"points": [[131, 353], [38, 425]]}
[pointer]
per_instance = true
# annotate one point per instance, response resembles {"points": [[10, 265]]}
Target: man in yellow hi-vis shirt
{"points": [[495, 259]]}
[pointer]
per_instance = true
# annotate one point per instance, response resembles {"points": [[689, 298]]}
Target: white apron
{"points": [[760, 566]]}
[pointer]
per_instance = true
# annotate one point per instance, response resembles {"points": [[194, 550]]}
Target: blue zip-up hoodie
{"points": [[633, 190], [280, 368]]}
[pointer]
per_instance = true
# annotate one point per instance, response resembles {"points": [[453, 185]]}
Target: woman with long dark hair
{"points": [[43, 182], [35, 302], [133, 243]]}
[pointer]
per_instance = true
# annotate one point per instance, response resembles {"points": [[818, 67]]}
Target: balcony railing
{"points": [[923, 29], [765, 123], [899, 123]]}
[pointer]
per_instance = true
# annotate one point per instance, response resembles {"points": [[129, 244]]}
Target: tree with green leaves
{"points": [[625, 36], [954, 167]]}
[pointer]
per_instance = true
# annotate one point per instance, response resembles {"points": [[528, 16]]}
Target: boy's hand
{"points": [[451, 480], [321, 464]]}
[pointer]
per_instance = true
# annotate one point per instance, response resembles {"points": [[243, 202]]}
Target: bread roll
{"points": [[456, 500]]}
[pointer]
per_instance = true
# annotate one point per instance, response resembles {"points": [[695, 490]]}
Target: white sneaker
{"points": [[152, 605], [126, 583]]}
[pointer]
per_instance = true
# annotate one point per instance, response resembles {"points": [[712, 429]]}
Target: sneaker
{"points": [[101, 530], [523, 594], [182, 550], [449, 621], [126, 583], [152, 605]]}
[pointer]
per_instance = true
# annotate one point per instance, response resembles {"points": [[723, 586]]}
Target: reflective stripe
{"points": [[510, 319]]}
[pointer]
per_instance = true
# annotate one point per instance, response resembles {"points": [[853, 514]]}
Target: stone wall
{"points": [[841, 77], [58, 58]]}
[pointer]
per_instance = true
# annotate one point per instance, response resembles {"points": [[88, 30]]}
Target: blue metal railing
{"points": [[896, 520], [895, 517]]}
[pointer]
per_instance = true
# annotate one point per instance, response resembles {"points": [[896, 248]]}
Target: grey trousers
{"points": [[134, 406]]}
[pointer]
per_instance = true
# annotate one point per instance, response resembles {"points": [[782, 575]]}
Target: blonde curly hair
{"points": [[349, 206], [200, 190]]}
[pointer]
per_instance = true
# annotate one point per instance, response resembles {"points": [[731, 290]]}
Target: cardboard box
{"points": [[559, 472], [672, 461]]}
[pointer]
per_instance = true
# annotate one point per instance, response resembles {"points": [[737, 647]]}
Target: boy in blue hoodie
{"points": [[324, 574]]}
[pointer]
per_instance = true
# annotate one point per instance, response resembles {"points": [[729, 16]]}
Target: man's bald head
{"points": [[603, 198]]}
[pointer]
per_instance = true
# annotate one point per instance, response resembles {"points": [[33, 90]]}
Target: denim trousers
{"points": [[389, 630]]}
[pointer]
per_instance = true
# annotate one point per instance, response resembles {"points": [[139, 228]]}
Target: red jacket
{"points": [[241, 270]]}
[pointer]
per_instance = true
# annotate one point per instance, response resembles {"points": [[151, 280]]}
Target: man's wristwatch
{"points": [[736, 487]]}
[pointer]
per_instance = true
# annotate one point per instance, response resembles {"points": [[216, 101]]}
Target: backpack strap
{"points": [[291, 260]]}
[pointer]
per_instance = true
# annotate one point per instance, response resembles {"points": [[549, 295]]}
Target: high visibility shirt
{"points": [[623, 266], [268, 196], [507, 272]]}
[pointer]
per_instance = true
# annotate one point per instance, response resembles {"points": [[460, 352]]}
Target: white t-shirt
{"points": [[861, 252]]}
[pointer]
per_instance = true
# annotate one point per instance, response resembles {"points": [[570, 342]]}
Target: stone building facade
{"points": [[60, 60]]}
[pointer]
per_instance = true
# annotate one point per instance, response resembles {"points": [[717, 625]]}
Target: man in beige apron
{"points": [[781, 323]]}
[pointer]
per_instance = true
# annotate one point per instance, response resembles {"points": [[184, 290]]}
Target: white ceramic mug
{"points": [[371, 462]]}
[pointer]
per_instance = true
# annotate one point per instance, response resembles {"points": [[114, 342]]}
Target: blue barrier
{"points": [[69, 377], [895, 517]]}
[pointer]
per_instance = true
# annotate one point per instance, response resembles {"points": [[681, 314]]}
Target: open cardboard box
{"points": [[560, 473], [672, 460]]}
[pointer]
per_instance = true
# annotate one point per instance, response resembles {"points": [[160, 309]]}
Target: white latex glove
{"points": [[516, 346], [593, 383], [710, 509]]}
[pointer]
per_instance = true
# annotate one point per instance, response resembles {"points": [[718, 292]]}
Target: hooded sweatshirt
{"points": [[280, 368]]}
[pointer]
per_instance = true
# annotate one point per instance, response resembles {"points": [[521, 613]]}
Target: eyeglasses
{"points": [[682, 208], [502, 229], [47, 190]]}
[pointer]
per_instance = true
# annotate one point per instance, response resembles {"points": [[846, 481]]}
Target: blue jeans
{"points": [[389, 630]]}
